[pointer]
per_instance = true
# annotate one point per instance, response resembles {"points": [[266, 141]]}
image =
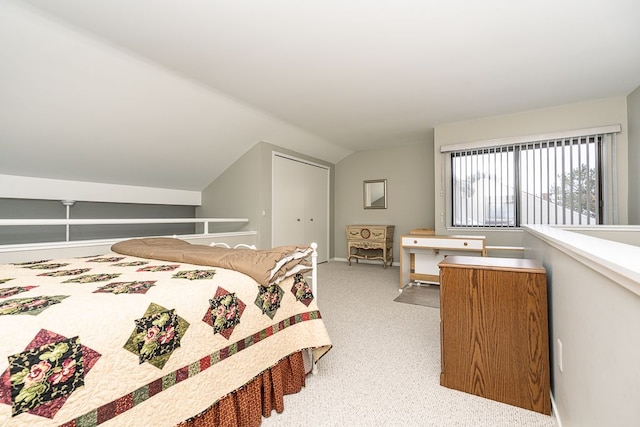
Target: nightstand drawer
{"points": [[375, 233]]}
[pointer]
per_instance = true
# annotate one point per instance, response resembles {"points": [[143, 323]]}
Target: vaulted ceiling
{"points": [[168, 94]]}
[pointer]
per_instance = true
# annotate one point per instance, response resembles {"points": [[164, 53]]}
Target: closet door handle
{"points": [[311, 219], [298, 219]]}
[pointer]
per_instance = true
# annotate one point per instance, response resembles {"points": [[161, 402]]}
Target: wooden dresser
{"points": [[370, 242], [494, 329]]}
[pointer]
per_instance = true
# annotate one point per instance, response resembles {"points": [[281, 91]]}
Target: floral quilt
{"points": [[121, 340]]}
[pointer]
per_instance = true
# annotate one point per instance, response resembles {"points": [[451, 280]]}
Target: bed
{"points": [[159, 332]]}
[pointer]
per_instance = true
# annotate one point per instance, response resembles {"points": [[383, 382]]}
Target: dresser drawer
{"points": [[440, 242]]}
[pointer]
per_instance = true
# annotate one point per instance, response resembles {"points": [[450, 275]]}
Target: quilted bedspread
{"points": [[121, 340]]}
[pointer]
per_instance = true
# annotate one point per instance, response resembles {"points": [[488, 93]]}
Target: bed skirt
{"points": [[247, 405]]}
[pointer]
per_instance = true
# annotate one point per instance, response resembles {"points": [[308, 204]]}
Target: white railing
{"points": [[70, 222]]}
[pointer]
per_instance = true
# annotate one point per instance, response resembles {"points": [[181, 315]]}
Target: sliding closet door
{"points": [[316, 205], [300, 204], [288, 202]]}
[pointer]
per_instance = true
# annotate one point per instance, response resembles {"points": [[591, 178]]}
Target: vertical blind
{"points": [[561, 181], [554, 181]]}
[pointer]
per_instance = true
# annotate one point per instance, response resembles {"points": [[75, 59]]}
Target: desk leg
{"points": [[405, 266]]}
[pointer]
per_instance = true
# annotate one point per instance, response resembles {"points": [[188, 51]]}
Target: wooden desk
{"points": [[370, 242], [420, 254], [494, 330]]}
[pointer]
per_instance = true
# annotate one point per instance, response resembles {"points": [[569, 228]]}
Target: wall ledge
{"points": [[30, 251], [616, 261]]}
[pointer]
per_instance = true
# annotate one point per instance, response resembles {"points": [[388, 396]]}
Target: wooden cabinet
{"points": [[494, 329], [371, 242]]}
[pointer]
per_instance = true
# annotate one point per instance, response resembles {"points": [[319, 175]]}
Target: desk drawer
{"points": [[456, 243]]}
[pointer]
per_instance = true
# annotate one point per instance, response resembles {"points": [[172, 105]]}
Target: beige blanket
{"points": [[264, 266]]}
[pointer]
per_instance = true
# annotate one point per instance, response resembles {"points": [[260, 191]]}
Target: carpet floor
{"points": [[384, 367]]}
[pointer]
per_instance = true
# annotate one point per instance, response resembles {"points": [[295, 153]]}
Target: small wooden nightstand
{"points": [[370, 242]]}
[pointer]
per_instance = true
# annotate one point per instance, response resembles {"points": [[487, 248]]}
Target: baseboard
{"points": [[554, 412], [365, 261]]}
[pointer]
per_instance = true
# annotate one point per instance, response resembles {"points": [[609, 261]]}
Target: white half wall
{"points": [[21, 187], [594, 311]]}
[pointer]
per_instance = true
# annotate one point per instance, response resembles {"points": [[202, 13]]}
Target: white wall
{"points": [[79, 109], [594, 305], [23, 187], [560, 118], [627, 234]]}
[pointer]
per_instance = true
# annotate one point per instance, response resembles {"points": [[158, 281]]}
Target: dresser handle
{"points": [[465, 243], [415, 242]]}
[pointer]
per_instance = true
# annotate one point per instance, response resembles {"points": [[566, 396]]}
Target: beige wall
{"points": [[220, 199], [244, 190], [633, 114], [565, 117], [414, 174], [408, 171]]}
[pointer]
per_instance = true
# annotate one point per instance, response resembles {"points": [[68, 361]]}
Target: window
{"points": [[552, 181], [484, 187]]}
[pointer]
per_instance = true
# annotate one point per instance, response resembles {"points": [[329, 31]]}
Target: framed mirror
{"points": [[375, 194]]}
